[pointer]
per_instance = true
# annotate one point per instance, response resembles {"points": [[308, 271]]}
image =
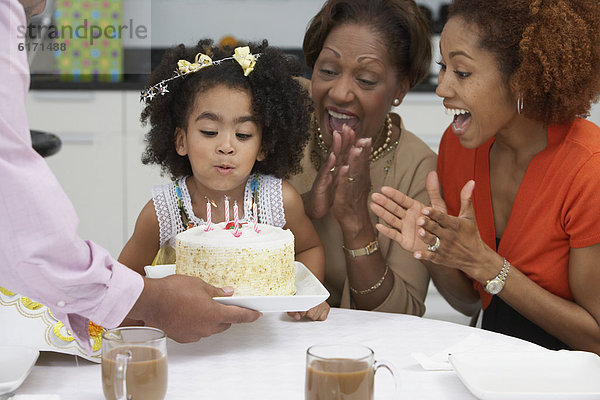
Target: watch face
{"points": [[494, 286]]}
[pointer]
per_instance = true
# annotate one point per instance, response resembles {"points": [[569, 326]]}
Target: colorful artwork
{"points": [[90, 32]]}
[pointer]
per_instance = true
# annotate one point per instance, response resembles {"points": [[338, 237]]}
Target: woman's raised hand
{"points": [[353, 181], [321, 196], [401, 213], [461, 245]]}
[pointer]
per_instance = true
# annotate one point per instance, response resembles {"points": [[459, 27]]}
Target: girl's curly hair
{"points": [[548, 50], [282, 107]]}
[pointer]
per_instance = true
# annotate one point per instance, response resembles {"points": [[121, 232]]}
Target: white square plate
{"points": [[547, 374], [309, 292], [15, 364]]}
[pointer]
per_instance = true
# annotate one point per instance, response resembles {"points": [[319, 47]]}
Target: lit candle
{"points": [[208, 216], [255, 214], [226, 210], [236, 231]]}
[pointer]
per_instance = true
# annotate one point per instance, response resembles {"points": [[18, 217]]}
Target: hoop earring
{"points": [[396, 102], [520, 104]]}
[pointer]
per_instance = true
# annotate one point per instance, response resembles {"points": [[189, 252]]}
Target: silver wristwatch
{"points": [[495, 285]]}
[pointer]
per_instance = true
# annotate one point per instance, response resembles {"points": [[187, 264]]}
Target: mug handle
{"points": [[392, 370], [121, 374]]}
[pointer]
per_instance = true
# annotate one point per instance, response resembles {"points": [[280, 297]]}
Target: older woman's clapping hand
{"points": [[353, 179], [319, 199], [343, 176]]}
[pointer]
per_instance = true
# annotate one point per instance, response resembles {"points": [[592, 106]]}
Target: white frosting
{"points": [[269, 237]]}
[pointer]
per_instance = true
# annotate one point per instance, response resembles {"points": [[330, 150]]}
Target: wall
{"points": [[282, 22]]}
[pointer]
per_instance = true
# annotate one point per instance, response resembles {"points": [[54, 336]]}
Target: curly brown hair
{"points": [[401, 24], [281, 105], [547, 50]]}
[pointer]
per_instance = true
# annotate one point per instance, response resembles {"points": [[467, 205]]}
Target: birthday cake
{"points": [[253, 263]]}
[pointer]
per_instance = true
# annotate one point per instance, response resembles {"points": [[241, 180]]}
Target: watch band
{"points": [[363, 251], [496, 284]]}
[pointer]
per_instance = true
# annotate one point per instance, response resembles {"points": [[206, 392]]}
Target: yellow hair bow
{"points": [[243, 56], [186, 67]]}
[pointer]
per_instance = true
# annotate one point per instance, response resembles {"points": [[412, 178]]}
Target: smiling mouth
{"points": [[337, 120], [462, 118]]}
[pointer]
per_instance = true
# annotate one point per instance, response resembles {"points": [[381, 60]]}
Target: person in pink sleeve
{"points": [[41, 255]]}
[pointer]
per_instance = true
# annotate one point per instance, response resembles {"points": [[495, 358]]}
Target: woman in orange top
{"points": [[518, 229]]}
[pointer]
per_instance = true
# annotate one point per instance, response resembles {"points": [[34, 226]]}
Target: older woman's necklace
{"points": [[375, 154]]}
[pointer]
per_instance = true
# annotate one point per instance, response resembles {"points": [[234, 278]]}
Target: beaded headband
{"points": [[242, 55]]}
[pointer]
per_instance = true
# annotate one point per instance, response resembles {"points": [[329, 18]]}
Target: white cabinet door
{"points": [[139, 178], [89, 165]]}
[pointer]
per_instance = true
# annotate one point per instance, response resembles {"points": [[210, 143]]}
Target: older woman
{"points": [[519, 168], [365, 55]]}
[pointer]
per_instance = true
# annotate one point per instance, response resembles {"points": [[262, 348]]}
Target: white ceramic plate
{"points": [[15, 364], [309, 292], [563, 374]]}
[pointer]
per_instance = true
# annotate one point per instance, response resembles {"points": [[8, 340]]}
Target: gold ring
{"points": [[351, 179]]}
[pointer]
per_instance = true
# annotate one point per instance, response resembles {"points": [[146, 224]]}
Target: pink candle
{"points": [[226, 210], [208, 216], [236, 231], [255, 214]]}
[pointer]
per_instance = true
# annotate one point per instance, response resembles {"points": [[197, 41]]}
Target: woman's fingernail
{"points": [[425, 211], [421, 221], [418, 255], [421, 232]]}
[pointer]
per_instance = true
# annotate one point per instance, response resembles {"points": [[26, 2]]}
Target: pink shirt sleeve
{"points": [[41, 255]]}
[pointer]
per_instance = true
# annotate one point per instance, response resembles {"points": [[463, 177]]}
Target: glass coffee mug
{"points": [[134, 363], [342, 372]]}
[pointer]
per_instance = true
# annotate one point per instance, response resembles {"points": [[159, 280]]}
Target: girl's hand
{"points": [[317, 313]]}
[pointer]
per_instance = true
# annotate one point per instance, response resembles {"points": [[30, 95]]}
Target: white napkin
{"points": [[35, 397], [433, 363], [473, 343]]}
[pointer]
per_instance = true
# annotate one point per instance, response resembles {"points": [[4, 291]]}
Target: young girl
{"points": [[234, 127]]}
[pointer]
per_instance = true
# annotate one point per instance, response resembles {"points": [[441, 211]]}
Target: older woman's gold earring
{"points": [[396, 102], [520, 104]]}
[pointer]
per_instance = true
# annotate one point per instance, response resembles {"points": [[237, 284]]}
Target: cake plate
{"points": [[309, 292]]}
